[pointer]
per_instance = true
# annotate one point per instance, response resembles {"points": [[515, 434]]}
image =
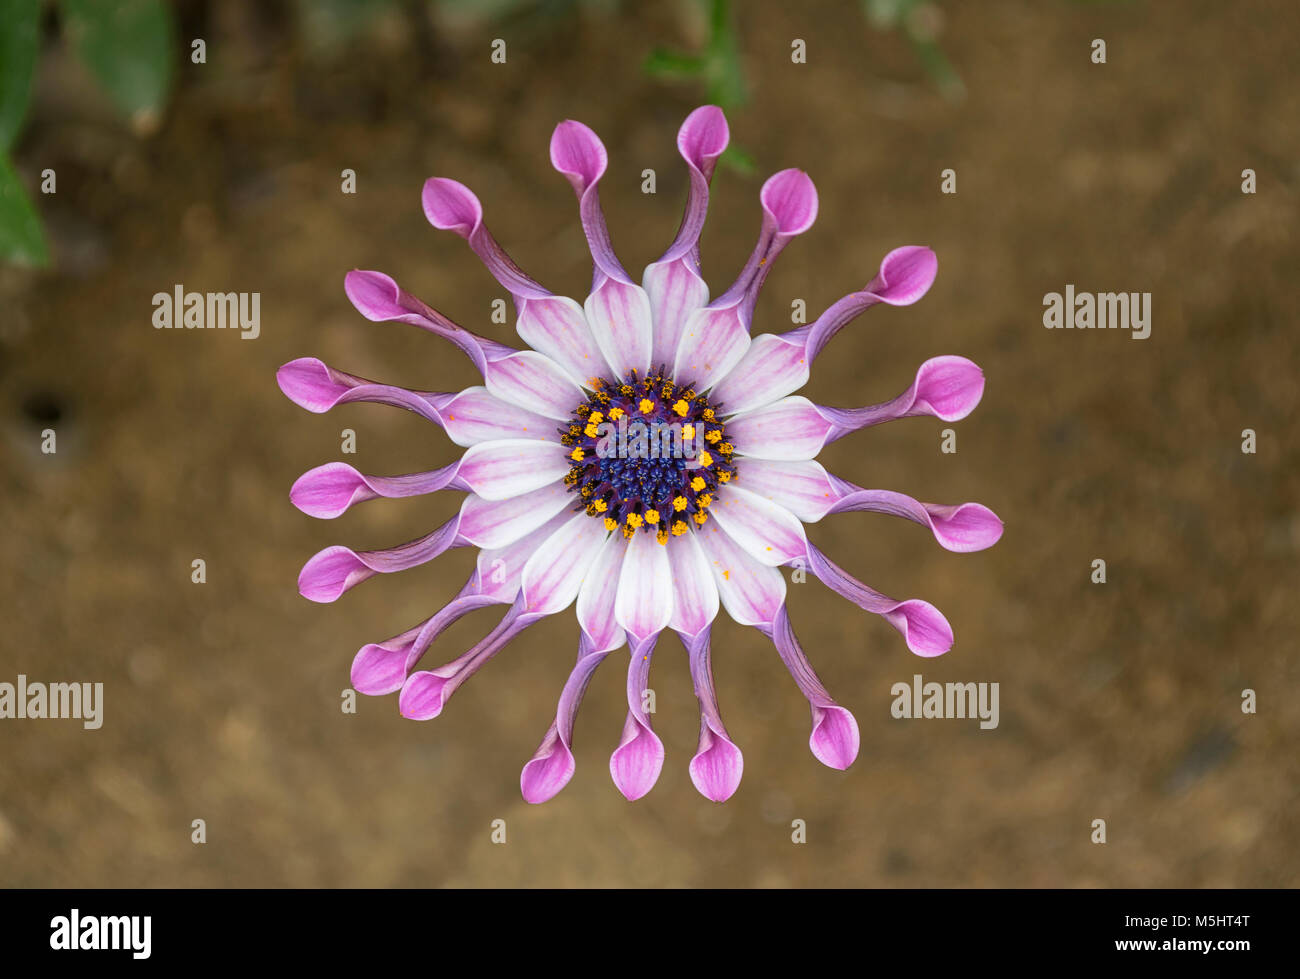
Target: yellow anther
{"points": [[634, 520], [615, 414], [576, 455], [704, 499], [697, 484], [600, 505], [585, 491], [652, 517], [706, 459], [646, 406], [726, 448], [679, 503], [708, 414], [662, 535], [611, 523], [700, 518], [681, 407], [628, 531], [688, 431], [590, 431], [679, 528], [724, 476], [596, 418], [714, 435]]}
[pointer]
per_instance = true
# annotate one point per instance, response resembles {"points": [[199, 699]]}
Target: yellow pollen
{"points": [[724, 477], [585, 491], [590, 431], [706, 459], [611, 523], [662, 535], [688, 431], [615, 413], [679, 528], [679, 503], [646, 406], [708, 414], [634, 520], [600, 505], [629, 531], [697, 484], [700, 518], [596, 418], [714, 435], [704, 500], [652, 517], [681, 407], [576, 455]]}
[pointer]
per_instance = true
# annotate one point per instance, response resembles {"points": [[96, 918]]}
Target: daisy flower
{"points": [[645, 461]]}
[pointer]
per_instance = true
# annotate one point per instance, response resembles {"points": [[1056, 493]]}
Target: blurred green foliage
{"points": [[128, 45]]}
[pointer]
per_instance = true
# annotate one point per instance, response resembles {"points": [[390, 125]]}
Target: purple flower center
{"points": [[647, 453]]}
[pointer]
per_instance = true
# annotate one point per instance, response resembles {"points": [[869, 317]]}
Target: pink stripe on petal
{"points": [[492, 524], [335, 570], [675, 291], [475, 415], [644, 604], [554, 574], [922, 626], [771, 368], [834, 740], [695, 595], [639, 758], [507, 468], [770, 534], [792, 429], [718, 764], [329, 490], [802, 487], [711, 343], [500, 570], [595, 608], [621, 322], [751, 592], [535, 382], [557, 327]]}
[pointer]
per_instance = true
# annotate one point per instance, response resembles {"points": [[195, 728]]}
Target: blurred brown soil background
{"points": [[1118, 701]]}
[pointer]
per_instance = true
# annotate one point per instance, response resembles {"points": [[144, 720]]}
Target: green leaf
{"points": [[21, 239], [129, 46], [18, 42], [671, 64]]}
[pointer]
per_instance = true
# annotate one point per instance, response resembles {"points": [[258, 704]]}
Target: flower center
{"points": [[647, 454]]}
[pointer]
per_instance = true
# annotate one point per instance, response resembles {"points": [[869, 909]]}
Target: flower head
{"points": [[645, 460]]}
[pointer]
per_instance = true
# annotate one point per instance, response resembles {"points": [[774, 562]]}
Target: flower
{"points": [[646, 461]]}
